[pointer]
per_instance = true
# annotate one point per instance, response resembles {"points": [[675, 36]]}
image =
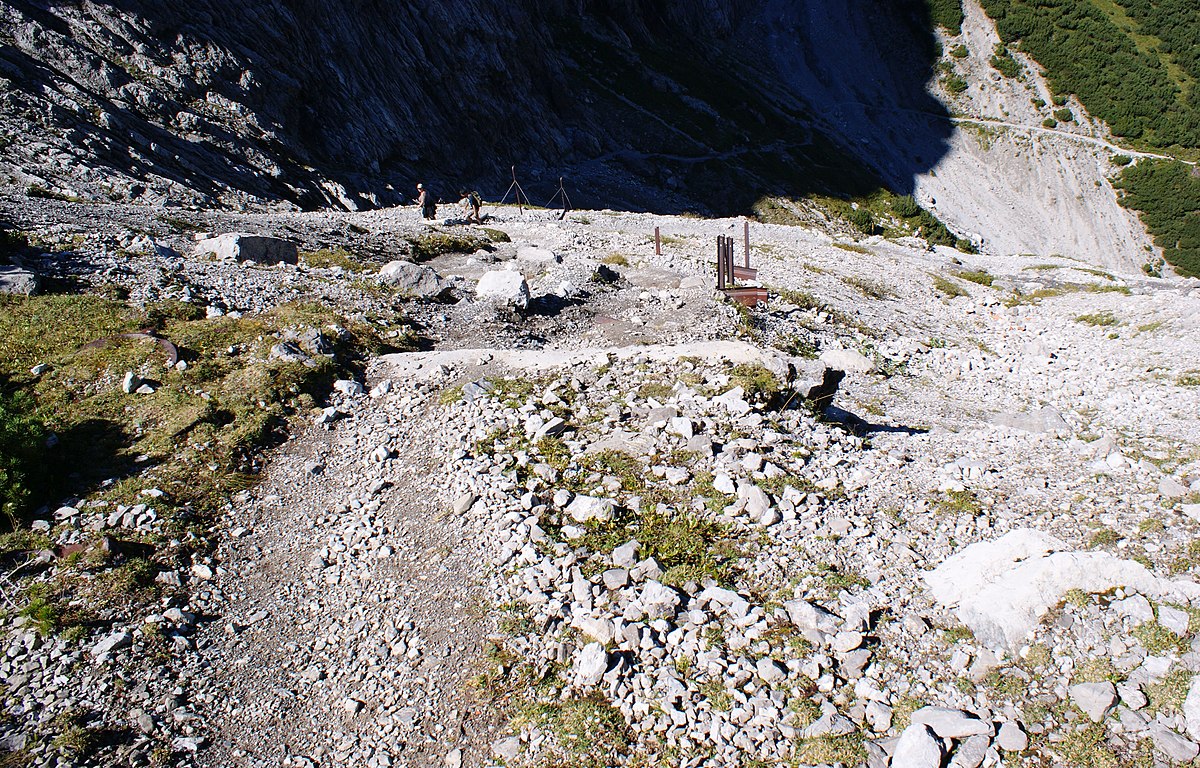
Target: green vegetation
{"points": [[872, 289], [959, 51], [196, 436], [947, 14], [1104, 319], [979, 277], [845, 750], [959, 503], [1087, 746], [1003, 62], [22, 454], [955, 84], [1133, 63], [948, 288], [433, 244], [1166, 196], [615, 259], [334, 257], [590, 731]]}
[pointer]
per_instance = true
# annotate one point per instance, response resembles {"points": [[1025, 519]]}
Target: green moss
{"points": [[979, 277], [431, 245]]}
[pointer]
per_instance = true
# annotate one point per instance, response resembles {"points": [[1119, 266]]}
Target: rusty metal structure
{"points": [[729, 273]]}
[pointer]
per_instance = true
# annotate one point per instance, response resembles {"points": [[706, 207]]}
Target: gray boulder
{"points": [[17, 281], [238, 246], [951, 723], [412, 279], [919, 747], [503, 287], [1095, 699]]}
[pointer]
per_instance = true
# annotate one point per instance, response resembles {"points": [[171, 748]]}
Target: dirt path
{"points": [[352, 626]]}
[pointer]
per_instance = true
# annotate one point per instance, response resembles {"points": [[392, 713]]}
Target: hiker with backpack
{"points": [[425, 199], [471, 202]]}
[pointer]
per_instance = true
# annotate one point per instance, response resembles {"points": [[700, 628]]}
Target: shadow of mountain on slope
{"points": [[658, 105]]}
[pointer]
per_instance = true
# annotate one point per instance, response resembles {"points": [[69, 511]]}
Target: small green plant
{"points": [[947, 288], [1049, 122], [954, 84], [957, 634], [977, 276], [615, 259], [333, 257], [863, 221], [757, 382], [500, 236], [431, 245], [1103, 537], [1003, 62], [960, 51], [1064, 115], [956, 503], [1121, 160], [1102, 319], [1038, 102], [1157, 639], [1188, 379], [589, 731]]}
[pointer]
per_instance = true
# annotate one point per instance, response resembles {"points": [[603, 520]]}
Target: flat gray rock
{"points": [[415, 280], [951, 723], [1044, 421], [239, 247], [1095, 699]]}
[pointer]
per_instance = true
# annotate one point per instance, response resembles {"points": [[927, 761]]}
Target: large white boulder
{"points": [[412, 279], [1002, 588], [503, 287], [239, 246], [15, 280]]}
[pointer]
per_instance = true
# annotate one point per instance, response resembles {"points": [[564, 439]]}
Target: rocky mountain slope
{"points": [[654, 106], [596, 522]]}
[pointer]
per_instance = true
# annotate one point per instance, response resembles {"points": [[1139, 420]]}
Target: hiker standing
{"points": [[425, 199]]}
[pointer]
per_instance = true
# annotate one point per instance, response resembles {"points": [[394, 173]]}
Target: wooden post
{"points": [[520, 207], [747, 238], [657, 243]]}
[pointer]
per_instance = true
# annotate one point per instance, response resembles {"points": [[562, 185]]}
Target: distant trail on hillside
{"points": [[1067, 134]]}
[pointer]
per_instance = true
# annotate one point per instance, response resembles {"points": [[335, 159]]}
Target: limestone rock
{"points": [[18, 281], [918, 747], [1191, 709], [1003, 587], [1095, 699], [503, 287], [590, 665], [411, 279], [584, 508], [239, 247], [847, 360], [951, 723]]}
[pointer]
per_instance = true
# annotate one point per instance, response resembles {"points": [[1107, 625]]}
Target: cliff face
{"points": [[318, 103], [665, 105]]}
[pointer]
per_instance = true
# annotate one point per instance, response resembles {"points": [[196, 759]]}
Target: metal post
{"points": [[520, 207], [657, 243], [720, 272], [747, 236]]}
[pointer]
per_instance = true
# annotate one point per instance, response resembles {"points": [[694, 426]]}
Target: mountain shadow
{"points": [[660, 105]]}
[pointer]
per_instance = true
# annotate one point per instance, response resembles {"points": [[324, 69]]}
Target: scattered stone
{"points": [[1096, 700], [918, 747], [503, 287], [1012, 738], [409, 279]]}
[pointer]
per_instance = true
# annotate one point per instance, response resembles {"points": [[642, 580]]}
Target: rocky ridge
{"points": [[600, 534]]}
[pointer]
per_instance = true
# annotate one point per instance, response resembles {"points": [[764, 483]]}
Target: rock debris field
{"points": [[604, 517]]}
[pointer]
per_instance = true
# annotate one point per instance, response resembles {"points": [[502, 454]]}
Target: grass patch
{"points": [[1157, 639], [828, 750], [872, 289], [977, 276], [198, 436], [334, 257], [757, 382], [615, 259], [431, 245], [499, 236], [948, 288], [956, 503], [1188, 379], [590, 732], [1105, 319]]}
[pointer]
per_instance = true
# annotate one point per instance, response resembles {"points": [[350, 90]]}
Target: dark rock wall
{"points": [[662, 104]]}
